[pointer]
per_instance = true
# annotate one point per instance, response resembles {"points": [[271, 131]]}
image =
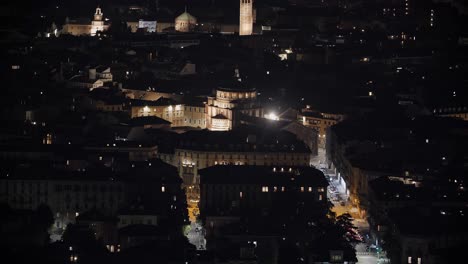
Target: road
{"points": [[338, 196]]}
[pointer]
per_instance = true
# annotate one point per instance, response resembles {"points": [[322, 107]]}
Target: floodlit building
{"points": [[79, 28], [319, 121], [164, 108], [201, 149], [224, 110], [185, 22], [246, 18]]}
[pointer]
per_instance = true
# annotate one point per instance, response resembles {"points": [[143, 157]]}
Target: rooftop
{"points": [[148, 120], [280, 175], [186, 17], [242, 139]]}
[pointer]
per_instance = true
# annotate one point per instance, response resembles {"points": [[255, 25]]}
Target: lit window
{"points": [[100, 157], [419, 260], [282, 189], [320, 197], [163, 188], [409, 260], [302, 189], [265, 189], [310, 189], [240, 194], [275, 189]]}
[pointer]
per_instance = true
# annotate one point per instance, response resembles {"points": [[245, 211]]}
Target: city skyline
{"points": [[266, 131]]}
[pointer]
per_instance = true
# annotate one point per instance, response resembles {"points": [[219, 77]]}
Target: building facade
{"points": [[246, 18], [197, 150], [319, 121], [163, 108], [223, 110], [185, 22], [230, 192], [77, 28]]}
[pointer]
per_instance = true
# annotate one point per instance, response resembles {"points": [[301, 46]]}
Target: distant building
{"points": [[319, 121], [201, 149], [79, 28], [149, 26], [185, 22], [246, 18], [224, 110], [70, 193], [164, 108], [230, 192], [96, 78], [460, 112]]}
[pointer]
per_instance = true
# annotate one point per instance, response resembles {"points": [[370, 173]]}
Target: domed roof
{"points": [[233, 85], [186, 17]]}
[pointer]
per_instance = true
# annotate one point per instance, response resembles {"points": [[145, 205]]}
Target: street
{"points": [[338, 196]]}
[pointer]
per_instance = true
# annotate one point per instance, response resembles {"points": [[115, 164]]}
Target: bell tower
{"points": [[97, 24], [98, 14], [245, 18]]}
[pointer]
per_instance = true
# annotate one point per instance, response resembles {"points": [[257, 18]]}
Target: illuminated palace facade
{"points": [[77, 28], [245, 145], [224, 110]]}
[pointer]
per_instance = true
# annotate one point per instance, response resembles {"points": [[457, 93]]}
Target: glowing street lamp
{"points": [[272, 116]]}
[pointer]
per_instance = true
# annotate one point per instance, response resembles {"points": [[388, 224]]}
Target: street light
{"points": [[272, 116]]}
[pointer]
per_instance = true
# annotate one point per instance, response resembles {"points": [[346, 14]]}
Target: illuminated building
{"points": [[246, 18], [72, 193], [319, 121], [185, 22], [163, 108], [224, 110], [96, 78], [79, 28], [201, 149]]}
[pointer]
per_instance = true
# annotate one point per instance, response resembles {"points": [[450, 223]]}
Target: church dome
{"points": [[185, 22], [186, 17]]}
